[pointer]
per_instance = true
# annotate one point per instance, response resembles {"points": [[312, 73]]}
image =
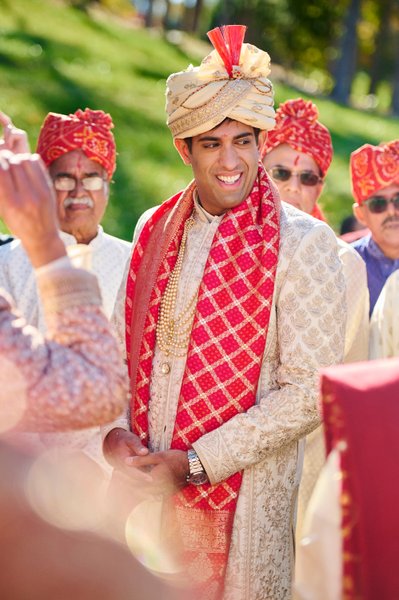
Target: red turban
{"points": [[373, 168], [88, 130], [297, 126]]}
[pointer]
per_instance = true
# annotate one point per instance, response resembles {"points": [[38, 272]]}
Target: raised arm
{"points": [[74, 377]]}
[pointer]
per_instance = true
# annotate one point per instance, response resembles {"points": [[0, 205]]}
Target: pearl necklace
{"points": [[173, 333]]}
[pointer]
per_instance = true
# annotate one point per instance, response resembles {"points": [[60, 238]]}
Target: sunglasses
{"points": [[64, 183], [309, 178], [379, 204]]}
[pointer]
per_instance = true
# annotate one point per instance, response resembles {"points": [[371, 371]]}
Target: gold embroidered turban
{"points": [[230, 82]]}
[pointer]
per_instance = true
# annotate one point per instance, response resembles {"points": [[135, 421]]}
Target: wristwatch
{"points": [[197, 474]]}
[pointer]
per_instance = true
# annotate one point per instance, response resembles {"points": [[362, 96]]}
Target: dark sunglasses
{"points": [[379, 204], [309, 178]]}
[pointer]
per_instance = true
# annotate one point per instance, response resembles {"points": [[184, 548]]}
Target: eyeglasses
{"points": [[379, 204], [66, 183], [309, 178]]}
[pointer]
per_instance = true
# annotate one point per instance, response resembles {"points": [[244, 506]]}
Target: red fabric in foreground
{"points": [[361, 409]]}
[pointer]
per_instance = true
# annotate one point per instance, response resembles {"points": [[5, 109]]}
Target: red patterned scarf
{"points": [[224, 355]]}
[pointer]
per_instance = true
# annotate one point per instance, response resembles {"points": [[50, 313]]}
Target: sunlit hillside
{"points": [[56, 58]]}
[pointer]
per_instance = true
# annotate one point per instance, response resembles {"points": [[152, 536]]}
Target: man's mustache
{"points": [[390, 220]]}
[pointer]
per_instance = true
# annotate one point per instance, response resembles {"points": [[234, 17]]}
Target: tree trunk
{"points": [[165, 22], [382, 39], [148, 14], [395, 83], [345, 67], [197, 14]]}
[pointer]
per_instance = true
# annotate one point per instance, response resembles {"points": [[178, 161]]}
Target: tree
{"points": [[385, 8], [345, 66], [149, 14], [395, 86]]}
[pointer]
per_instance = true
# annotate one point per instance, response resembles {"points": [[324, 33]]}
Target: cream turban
{"points": [[200, 98]]}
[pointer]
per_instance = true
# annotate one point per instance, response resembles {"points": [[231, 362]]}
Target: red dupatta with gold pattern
{"points": [[224, 354]]}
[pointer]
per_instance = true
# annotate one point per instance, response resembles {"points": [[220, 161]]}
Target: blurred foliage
{"points": [[54, 57]]}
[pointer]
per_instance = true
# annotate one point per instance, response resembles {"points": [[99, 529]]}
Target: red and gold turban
{"points": [[297, 126], [231, 82], [87, 130], [373, 168]]}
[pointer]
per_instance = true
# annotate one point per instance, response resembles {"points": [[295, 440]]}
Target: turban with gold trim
{"points": [[373, 168], [230, 82], [297, 126], [88, 130]]}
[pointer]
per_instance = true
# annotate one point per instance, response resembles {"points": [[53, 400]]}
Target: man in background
{"points": [[79, 151], [375, 183]]}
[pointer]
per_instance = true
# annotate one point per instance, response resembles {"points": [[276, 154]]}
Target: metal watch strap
{"points": [[195, 466]]}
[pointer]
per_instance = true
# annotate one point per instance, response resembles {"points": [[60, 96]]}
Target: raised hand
{"points": [[27, 205], [15, 140]]}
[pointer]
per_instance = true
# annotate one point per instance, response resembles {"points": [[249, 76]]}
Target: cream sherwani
{"points": [[108, 258], [306, 332], [384, 324], [356, 349]]}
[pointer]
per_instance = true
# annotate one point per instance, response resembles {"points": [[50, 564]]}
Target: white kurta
{"points": [[306, 332], [108, 258], [384, 324]]}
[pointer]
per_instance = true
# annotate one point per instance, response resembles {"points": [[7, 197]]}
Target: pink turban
{"points": [[88, 130], [297, 126], [373, 168]]}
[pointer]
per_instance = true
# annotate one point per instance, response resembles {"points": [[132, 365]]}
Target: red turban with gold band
{"points": [[87, 130], [297, 126], [373, 168]]}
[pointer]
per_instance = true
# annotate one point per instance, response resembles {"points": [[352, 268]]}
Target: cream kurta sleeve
{"points": [[310, 315], [357, 302], [71, 379], [384, 324]]}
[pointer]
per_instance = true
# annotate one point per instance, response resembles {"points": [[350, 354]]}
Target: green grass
{"points": [[56, 58]]}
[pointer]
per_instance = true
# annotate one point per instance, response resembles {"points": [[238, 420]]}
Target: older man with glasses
{"points": [[297, 155], [375, 184], [79, 152]]}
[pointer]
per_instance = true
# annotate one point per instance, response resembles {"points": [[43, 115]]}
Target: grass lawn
{"points": [[56, 58]]}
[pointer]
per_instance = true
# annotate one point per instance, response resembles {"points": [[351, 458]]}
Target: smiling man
{"points": [[233, 303], [375, 183]]}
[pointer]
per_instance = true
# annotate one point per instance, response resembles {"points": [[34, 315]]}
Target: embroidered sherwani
{"points": [[108, 258], [356, 349], [306, 331], [71, 379]]}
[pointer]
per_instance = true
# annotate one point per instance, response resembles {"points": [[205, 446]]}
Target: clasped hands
{"points": [[155, 472]]}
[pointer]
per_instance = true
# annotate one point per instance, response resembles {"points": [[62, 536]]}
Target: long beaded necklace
{"points": [[173, 332]]}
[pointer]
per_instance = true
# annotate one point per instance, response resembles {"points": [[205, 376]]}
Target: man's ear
{"points": [[183, 149], [358, 212]]}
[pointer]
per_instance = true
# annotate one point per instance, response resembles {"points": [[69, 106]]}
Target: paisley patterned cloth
{"points": [[87, 130], [373, 168]]}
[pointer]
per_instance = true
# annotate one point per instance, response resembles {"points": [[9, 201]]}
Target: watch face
{"points": [[199, 478]]}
